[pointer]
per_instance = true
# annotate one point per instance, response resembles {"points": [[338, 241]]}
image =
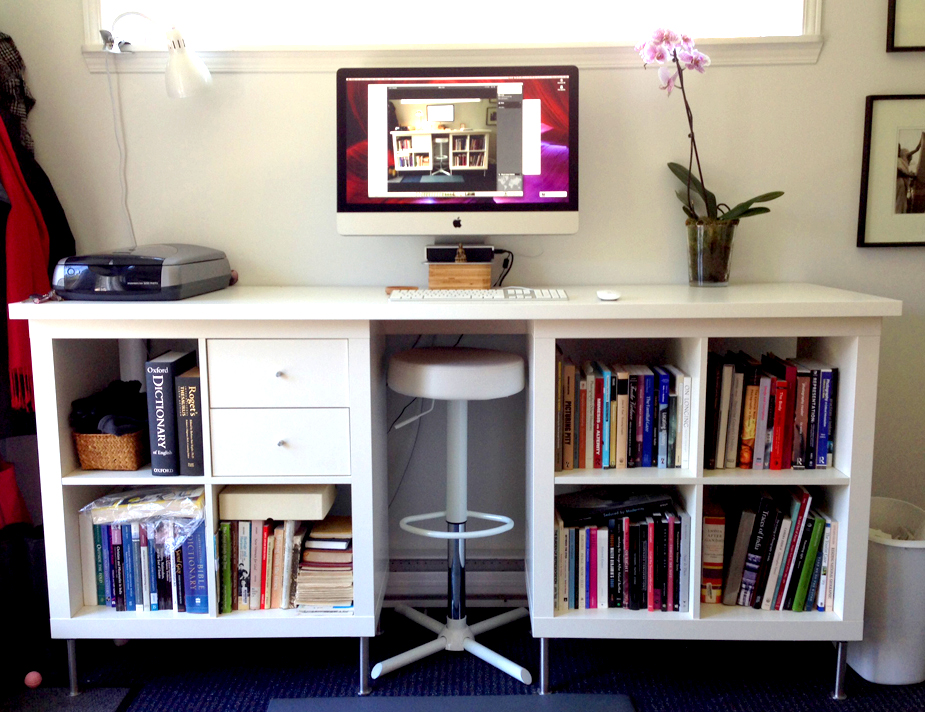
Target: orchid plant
{"points": [[666, 48]]}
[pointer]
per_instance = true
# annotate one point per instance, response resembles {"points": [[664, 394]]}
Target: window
{"points": [[585, 32]]}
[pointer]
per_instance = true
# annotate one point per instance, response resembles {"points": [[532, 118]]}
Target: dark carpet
{"points": [[562, 702], [670, 676]]}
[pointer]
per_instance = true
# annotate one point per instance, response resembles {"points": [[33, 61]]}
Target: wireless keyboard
{"points": [[508, 294]]}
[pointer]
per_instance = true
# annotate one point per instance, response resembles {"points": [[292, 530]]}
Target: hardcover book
{"points": [[160, 377], [189, 422]]}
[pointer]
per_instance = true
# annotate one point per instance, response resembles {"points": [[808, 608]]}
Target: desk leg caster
{"points": [[840, 671]]}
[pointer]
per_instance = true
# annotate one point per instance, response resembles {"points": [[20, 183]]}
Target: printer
{"points": [[143, 273]]}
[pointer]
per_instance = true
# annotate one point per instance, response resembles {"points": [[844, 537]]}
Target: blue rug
{"points": [[458, 703]]}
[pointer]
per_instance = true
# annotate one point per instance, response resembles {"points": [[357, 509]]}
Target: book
{"points": [[244, 565], [581, 565], [683, 385], [767, 561], [645, 422], [684, 574], [189, 422], [756, 553], [178, 589], [603, 566], [800, 418], [786, 373], [128, 567], [294, 534], [736, 403], [266, 600], [712, 554], [224, 553], [258, 546], [117, 567], [801, 500], [145, 565], [106, 557], [557, 436], [621, 419], [761, 422], [150, 532], [812, 424], [560, 585], [135, 536], [799, 560], [160, 375], [780, 547], [606, 375], [736, 564], [276, 574], [662, 388], [597, 440], [582, 417], [568, 415], [279, 502], [587, 372], [824, 410], [194, 571], [748, 430], [832, 567], [809, 562], [722, 424], [714, 378]]}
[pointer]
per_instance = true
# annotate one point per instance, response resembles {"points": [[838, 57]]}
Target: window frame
{"points": [[745, 51]]}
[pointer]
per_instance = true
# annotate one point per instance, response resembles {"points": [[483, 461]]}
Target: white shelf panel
{"points": [[810, 478], [117, 478], [632, 476]]}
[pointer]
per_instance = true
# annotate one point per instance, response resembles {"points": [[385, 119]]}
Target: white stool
{"points": [[456, 375]]}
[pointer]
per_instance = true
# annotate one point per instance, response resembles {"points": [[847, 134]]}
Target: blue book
{"points": [[106, 556], [605, 426], [825, 417], [662, 389], [128, 563], [648, 423], [152, 565], [194, 571]]}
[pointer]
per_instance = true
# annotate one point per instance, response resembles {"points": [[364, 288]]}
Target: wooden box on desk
{"points": [[459, 275]]}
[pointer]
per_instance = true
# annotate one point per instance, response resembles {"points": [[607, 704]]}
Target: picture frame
{"points": [[892, 204], [491, 116], [905, 26]]}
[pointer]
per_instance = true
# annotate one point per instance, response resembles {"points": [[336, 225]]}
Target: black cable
{"points": [[506, 265]]}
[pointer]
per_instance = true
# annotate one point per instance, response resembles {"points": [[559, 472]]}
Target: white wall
{"points": [[250, 169]]}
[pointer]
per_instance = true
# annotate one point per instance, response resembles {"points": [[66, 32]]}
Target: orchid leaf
{"points": [[688, 212], [746, 214], [691, 211], [686, 177], [765, 197]]}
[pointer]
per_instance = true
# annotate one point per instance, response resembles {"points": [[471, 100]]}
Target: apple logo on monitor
{"points": [[457, 223]]}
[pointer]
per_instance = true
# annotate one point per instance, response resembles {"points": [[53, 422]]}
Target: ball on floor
{"points": [[33, 679]]}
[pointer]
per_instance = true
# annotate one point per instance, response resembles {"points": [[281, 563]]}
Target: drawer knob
{"points": [[280, 374], [281, 443]]}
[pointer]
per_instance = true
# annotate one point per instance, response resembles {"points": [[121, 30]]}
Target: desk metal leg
{"points": [[840, 671], [364, 667], [72, 667], [544, 666]]}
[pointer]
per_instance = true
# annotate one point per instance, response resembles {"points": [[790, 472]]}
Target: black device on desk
{"points": [[161, 272]]}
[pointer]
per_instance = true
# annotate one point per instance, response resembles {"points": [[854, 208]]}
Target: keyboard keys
{"points": [[478, 295]]}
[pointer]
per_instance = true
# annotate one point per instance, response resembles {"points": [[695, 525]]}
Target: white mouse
{"points": [[607, 295]]}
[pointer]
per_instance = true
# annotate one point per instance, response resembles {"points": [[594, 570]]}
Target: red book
{"points": [[267, 528], [786, 370], [780, 426]]}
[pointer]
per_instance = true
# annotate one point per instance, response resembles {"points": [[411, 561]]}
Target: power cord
{"points": [[119, 130], [506, 264]]}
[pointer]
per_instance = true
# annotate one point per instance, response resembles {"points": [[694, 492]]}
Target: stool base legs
{"points": [[456, 635]]}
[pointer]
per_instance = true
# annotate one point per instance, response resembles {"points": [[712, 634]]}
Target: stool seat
{"points": [[456, 373]]}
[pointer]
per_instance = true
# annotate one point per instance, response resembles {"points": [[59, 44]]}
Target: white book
{"points": [[87, 558], [735, 419], [603, 567], [683, 387], [777, 560], [256, 580], [761, 425], [288, 564], [725, 395], [833, 559], [244, 565], [819, 603]]}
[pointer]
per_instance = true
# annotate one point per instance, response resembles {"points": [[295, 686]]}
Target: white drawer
{"points": [[278, 373], [280, 441]]}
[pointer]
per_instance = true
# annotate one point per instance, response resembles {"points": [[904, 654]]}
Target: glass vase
{"points": [[709, 250]]}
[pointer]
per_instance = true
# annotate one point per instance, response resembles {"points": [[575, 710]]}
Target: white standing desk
{"points": [[75, 349]]}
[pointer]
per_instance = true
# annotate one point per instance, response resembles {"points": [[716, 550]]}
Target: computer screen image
{"points": [[457, 151]]}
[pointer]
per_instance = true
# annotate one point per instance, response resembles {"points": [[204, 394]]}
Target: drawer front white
{"points": [[278, 373], [280, 441]]}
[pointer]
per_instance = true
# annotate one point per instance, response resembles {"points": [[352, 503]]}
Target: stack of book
{"points": [[147, 550], [325, 578], [621, 416], [174, 414], [770, 550], [619, 549], [770, 413]]}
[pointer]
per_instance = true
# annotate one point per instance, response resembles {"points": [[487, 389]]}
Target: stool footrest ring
{"points": [[506, 525]]}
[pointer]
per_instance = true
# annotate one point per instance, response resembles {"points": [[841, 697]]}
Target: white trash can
{"points": [[893, 649]]}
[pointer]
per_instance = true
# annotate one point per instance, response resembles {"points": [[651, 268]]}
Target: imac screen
{"points": [[438, 140]]}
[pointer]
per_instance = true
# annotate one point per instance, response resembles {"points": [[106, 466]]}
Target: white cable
{"points": [[119, 131]]}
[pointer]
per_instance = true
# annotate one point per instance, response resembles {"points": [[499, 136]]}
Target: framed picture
{"points": [[905, 26], [491, 116], [892, 206]]}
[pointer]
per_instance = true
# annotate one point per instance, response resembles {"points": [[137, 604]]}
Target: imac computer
{"points": [[450, 152]]}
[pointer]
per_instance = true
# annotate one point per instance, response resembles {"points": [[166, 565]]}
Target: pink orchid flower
{"points": [[667, 79]]}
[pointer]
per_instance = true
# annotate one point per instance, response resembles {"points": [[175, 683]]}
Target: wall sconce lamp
{"points": [[186, 74]]}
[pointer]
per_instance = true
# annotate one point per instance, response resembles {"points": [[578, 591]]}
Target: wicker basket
{"points": [[98, 451]]}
